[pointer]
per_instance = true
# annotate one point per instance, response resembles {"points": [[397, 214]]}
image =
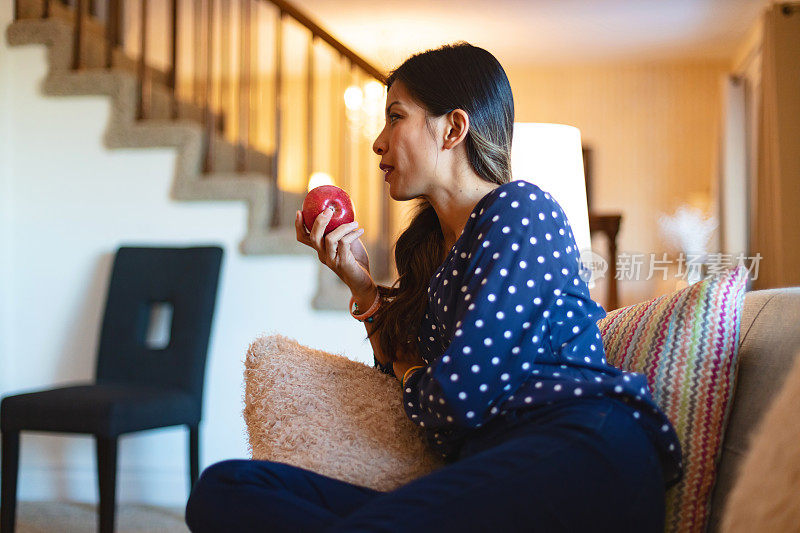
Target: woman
{"points": [[492, 333]]}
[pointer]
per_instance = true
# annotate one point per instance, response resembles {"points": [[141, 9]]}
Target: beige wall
{"points": [[654, 132]]}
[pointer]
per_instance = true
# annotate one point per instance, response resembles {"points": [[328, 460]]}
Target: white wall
{"points": [[5, 200], [67, 202]]}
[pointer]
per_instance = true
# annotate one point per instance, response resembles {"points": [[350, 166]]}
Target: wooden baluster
{"points": [[343, 155], [112, 31], [78, 34], [197, 7], [253, 76], [276, 193], [334, 117], [310, 108], [142, 105], [239, 167], [173, 70], [236, 87], [208, 115], [244, 88], [225, 67], [300, 17], [347, 132]]}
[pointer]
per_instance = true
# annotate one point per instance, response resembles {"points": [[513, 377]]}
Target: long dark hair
{"points": [[454, 76]]}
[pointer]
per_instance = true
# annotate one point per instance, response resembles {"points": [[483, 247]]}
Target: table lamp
{"points": [[551, 156]]}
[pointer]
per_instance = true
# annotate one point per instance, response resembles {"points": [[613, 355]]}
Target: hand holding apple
{"points": [[334, 237]]}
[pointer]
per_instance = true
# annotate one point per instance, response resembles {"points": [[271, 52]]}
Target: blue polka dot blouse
{"points": [[510, 325]]}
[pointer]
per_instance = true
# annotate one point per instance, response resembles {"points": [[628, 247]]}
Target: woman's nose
{"points": [[379, 147]]}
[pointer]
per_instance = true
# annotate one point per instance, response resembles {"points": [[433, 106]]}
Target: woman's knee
{"points": [[205, 495], [217, 477], [224, 472]]}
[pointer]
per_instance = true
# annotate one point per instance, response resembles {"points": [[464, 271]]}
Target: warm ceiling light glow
{"points": [[374, 91], [319, 178], [353, 97]]}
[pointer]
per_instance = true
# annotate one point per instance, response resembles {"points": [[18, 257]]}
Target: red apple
{"points": [[319, 198]]}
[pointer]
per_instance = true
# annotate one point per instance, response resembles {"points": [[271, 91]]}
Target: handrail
{"points": [[218, 103], [315, 29]]}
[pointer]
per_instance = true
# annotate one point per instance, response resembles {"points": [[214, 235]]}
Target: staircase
{"points": [[216, 156]]}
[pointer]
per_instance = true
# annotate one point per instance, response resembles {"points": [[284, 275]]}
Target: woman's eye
{"points": [[393, 115]]}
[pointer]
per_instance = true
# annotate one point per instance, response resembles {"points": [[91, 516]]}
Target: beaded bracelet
{"points": [[405, 376], [367, 315]]}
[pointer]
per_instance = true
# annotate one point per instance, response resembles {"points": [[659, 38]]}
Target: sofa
{"points": [[769, 341], [296, 413]]}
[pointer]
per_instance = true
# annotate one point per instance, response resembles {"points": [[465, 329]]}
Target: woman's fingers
{"points": [[334, 237], [350, 237], [343, 247], [302, 233], [318, 229]]}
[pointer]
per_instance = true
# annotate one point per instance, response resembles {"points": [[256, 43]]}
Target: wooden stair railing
{"points": [[105, 19]]}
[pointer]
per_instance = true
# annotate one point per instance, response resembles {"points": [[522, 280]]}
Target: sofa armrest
{"points": [[769, 340]]}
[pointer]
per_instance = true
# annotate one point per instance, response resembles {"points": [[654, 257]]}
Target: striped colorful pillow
{"points": [[686, 344]]}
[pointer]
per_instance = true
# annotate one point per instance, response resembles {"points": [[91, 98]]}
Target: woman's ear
{"points": [[456, 127]]}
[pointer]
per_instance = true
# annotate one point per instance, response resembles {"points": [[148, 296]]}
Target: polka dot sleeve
{"points": [[517, 255]]}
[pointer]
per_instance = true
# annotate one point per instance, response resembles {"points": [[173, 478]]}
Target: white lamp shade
{"points": [[551, 156]]}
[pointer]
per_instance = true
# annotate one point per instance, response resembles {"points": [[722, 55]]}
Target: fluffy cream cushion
{"points": [[766, 496], [329, 414]]}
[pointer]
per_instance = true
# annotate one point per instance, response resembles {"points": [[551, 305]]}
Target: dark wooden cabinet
{"points": [[608, 224]]}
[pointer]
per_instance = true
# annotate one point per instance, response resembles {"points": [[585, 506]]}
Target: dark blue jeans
{"points": [[582, 465]]}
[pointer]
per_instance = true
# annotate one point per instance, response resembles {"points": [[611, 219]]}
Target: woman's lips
{"points": [[387, 169]]}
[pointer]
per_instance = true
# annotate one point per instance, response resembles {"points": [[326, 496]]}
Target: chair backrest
{"points": [[185, 279]]}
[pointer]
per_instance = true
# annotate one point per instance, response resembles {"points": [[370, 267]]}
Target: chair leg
{"points": [[194, 454], [10, 466], [107, 481]]}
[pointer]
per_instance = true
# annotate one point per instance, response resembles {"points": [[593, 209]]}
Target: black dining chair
{"points": [[141, 381]]}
